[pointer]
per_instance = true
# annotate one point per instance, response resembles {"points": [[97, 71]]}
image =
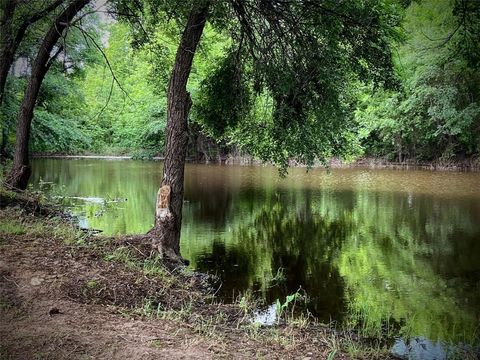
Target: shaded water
{"points": [[367, 246]]}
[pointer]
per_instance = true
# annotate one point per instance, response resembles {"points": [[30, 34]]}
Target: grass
{"points": [[247, 302], [150, 266], [20, 220], [153, 266], [17, 222], [205, 325], [152, 310], [156, 343], [211, 324], [282, 309], [7, 194], [358, 350], [91, 284], [121, 254], [11, 227]]}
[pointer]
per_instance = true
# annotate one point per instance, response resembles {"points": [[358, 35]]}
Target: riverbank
{"points": [[469, 164], [65, 293]]}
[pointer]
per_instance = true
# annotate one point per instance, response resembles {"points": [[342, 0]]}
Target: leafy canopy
{"points": [[298, 56], [436, 113]]}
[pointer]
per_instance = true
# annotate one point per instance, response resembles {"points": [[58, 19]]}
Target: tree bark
{"points": [[6, 41], [168, 220], [4, 143], [20, 173]]}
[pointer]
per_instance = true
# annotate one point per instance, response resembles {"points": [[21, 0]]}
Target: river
{"points": [[369, 248]]}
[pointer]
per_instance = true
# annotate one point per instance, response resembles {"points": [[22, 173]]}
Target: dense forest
{"points": [[106, 94]]}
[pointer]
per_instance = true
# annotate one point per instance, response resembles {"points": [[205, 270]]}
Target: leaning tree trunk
{"points": [[10, 40], [6, 42], [6, 59], [20, 173], [168, 217]]}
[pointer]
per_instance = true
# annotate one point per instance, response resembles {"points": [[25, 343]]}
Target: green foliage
{"points": [[302, 69], [437, 112], [307, 94], [81, 108], [467, 16], [52, 133], [131, 117], [56, 122], [56, 125], [8, 113], [224, 98], [12, 228], [290, 300]]}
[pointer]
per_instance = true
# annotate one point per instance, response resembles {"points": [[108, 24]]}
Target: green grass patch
{"points": [[121, 254], [156, 344], [11, 227], [7, 194], [154, 266], [150, 266], [91, 284], [17, 222]]}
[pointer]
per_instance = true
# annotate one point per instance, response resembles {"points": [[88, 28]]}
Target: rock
{"points": [[400, 350], [36, 281]]}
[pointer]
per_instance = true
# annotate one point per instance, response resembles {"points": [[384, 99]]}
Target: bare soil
{"points": [[60, 301]]}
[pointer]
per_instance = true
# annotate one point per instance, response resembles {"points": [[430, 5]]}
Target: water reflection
{"points": [[420, 348], [370, 248]]}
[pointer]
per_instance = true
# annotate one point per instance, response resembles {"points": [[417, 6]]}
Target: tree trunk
{"points": [[168, 220], [20, 173], [3, 145], [6, 23]]}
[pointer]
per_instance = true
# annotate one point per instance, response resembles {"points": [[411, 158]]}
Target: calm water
{"points": [[367, 246]]}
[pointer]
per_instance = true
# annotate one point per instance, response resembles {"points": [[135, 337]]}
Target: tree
{"points": [[167, 228], [435, 115], [133, 123], [11, 37], [300, 53], [20, 173]]}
